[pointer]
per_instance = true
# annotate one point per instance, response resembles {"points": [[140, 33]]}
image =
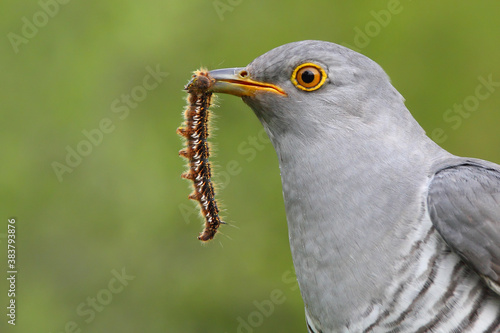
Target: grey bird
{"points": [[388, 231]]}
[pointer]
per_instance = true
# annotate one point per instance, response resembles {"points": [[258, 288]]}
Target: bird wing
{"points": [[464, 206]]}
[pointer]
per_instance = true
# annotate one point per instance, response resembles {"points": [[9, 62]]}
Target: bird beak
{"points": [[236, 81]]}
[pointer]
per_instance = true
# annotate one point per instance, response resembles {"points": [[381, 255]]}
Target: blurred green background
{"points": [[122, 209]]}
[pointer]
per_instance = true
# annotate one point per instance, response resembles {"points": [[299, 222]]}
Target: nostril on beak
{"points": [[243, 73]]}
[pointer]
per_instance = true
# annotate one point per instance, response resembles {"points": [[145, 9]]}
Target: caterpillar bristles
{"points": [[186, 153], [194, 196], [195, 131], [183, 132], [187, 175]]}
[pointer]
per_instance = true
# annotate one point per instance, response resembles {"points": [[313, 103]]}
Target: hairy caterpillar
{"points": [[197, 150]]}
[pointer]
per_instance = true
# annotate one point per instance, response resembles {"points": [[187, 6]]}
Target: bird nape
{"points": [[388, 231]]}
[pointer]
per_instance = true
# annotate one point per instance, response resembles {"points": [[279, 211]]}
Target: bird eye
{"points": [[308, 77]]}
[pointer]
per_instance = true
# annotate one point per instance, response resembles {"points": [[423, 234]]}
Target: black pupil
{"points": [[307, 76]]}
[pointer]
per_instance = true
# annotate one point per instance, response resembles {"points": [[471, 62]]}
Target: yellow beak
{"points": [[236, 81]]}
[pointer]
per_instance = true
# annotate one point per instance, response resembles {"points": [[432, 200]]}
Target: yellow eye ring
{"points": [[308, 76]]}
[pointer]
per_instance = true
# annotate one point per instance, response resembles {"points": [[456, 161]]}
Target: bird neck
{"points": [[335, 185], [342, 191]]}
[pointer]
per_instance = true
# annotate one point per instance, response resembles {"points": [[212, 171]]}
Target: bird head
{"points": [[309, 86]]}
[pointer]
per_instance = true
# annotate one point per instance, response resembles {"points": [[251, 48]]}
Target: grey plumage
{"points": [[388, 231], [464, 205]]}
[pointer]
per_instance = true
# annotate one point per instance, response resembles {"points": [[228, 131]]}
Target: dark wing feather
{"points": [[464, 206]]}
